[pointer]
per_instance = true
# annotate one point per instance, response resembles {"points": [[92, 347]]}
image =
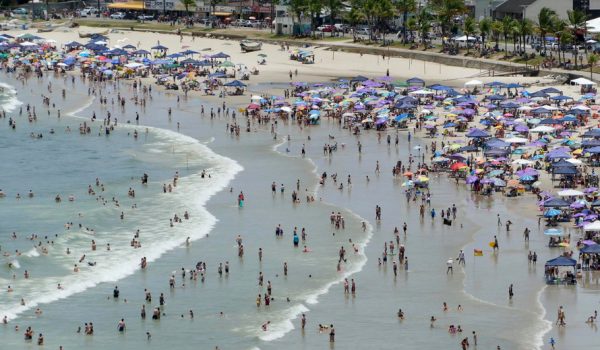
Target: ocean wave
{"points": [[192, 193], [280, 328], [10, 94]]}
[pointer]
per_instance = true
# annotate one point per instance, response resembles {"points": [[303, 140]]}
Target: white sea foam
{"points": [[191, 194], [278, 329], [11, 100]]}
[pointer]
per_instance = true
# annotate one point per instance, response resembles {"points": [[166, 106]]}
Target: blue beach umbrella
{"points": [[553, 232], [552, 212]]}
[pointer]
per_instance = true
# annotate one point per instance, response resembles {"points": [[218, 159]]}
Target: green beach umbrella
{"points": [[227, 64], [262, 55]]}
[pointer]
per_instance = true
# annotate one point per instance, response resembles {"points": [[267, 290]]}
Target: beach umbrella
{"points": [[526, 178], [159, 47], [552, 213], [554, 232], [458, 165], [594, 226], [227, 64], [569, 193]]}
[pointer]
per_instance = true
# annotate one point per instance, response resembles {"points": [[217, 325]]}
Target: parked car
{"points": [[145, 17], [363, 31], [118, 15], [20, 11], [328, 28], [88, 12], [341, 27]]}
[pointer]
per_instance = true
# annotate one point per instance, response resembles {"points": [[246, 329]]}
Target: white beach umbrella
{"points": [[570, 193], [542, 128], [522, 162], [516, 140], [594, 226]]}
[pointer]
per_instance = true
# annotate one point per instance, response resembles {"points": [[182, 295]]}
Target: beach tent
{"points": [[477, 133], [415, 81], [561, 261], [540, 93], [220, 55], [582, 81], [564, 171], [556, 203]]}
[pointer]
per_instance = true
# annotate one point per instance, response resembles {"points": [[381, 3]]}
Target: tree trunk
{"points": [[404, 19]]}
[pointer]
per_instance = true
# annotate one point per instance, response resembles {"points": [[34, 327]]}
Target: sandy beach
{"points": [[224, 306]]}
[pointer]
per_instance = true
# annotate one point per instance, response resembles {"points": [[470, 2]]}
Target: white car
{"points": [[88, 12], [117, 15], [145, 17]]}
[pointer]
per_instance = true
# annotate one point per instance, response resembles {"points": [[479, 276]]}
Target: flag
{"points": [[477, 252]]}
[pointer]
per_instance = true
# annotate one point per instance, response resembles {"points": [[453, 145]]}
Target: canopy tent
{"points": [[415, 81], [561, 261], [477, 133], [582, 81]]}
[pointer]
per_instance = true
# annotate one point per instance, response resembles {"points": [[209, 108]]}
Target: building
{"points": [[530, 9]]}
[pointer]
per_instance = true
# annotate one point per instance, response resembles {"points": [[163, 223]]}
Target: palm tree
{"points": [[412, 26], [369, 9], [514, 31], [297, 7], [592, 60], [384, 10], [496, 30], [404, 7], [507, 25], [576, 20], [469, 27], [446, 10], [314, 8], [562, 31], [187, 4], [334, 7], [485, 26], [525, 28], [354, 17], [546, 17], [424, 24]]}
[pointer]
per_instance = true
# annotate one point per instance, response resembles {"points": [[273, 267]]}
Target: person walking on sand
{"points": [[331, 334], [510, 292]]}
